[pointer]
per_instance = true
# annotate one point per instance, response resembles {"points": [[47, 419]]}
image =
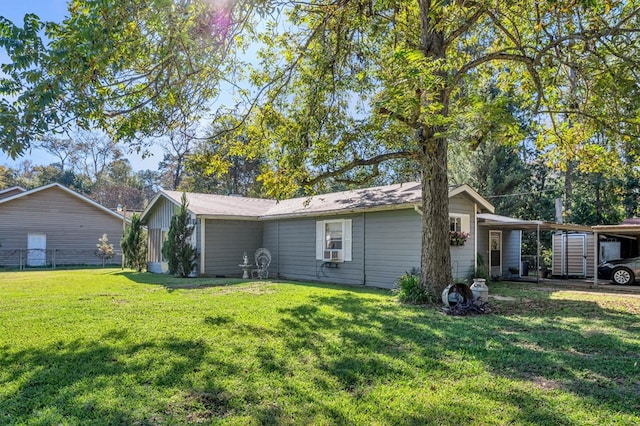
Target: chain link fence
{"points": [[54, 258]]}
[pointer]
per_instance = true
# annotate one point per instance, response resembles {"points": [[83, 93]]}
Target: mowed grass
{"points": [[111, 347]]}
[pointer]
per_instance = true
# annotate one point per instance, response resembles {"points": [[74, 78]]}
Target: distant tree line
{"points": [[518, 179]]}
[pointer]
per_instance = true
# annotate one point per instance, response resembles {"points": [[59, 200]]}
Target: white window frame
{"points": [[333, 255], [465, 222]]}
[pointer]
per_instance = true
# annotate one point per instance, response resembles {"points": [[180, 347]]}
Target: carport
{"points": [[497, 222], [628, 233]]}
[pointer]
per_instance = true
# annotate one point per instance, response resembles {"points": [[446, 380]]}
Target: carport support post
{"points": [[538, 253], [596, 258], [123, 210], [565, 256]]}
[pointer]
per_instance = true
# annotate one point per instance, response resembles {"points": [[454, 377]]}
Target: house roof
{"points": [[64, 188], [505, 222], [11, 191], [381, 197], [210, 205], [388, 197]]}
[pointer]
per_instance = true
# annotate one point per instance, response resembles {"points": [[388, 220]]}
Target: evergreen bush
{"points": [[134, 244]]}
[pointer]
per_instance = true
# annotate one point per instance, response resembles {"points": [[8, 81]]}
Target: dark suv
{"points": [[620, 271]]}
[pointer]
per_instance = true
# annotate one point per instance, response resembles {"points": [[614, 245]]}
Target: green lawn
{"points": [[107, 347]]}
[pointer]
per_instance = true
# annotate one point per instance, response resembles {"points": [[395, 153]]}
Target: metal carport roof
{"points": [[620, 230], [509, 223]]}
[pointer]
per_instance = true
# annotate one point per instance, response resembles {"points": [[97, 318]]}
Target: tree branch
{"points": [[358, 162], [408, 122], [466, 26]]}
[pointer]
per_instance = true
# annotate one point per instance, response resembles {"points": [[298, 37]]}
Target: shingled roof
{"points": [[380, 197], [222, 205], [397, 196]]}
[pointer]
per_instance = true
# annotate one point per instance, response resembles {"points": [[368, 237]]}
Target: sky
{"points": [[55, 10]]}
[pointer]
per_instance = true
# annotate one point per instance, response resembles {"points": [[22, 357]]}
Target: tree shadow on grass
{"points": [[124, 379], [82, 382], [537, 352], [172, 283]]}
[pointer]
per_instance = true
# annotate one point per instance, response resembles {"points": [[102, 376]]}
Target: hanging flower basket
{"points": [[458, 238]]}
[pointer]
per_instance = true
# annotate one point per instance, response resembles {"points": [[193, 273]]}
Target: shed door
{"points": [[570, 255], [495, 253], [577, 260], [36, 249]]}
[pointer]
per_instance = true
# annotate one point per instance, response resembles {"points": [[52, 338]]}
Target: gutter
{"points": [[335, 212]]}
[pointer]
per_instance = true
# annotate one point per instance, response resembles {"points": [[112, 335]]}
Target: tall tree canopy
{"points": [[131, 67], [343, 86]]}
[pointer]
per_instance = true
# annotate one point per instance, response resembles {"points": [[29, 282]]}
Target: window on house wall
{"points": [[333, 240], [459, 222], [455, 224]]}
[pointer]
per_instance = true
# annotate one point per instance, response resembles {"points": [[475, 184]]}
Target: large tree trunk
{"points": [[435, 263]]}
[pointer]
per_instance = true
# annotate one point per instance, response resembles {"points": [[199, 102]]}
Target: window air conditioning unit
{"points": [[332, 256]]}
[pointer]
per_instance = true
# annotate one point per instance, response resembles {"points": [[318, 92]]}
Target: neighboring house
{"points": [[53, 225], [364, 237]]}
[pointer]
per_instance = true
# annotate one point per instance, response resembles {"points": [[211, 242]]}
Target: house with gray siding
{"points": [[366, 236], [53, 225]]}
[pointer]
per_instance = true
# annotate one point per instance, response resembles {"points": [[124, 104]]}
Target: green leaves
{"points": [[134, 244], [133, 68]]}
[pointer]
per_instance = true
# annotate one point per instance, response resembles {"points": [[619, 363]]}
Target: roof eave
{"points": [[616, 228], [338, 212], [227, 217], [530, 225]]}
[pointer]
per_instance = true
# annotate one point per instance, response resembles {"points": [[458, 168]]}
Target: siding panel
{"points": [[463, 257], [226, 241], [159, 221], [393, 244], [511, 251], [270, 241]]}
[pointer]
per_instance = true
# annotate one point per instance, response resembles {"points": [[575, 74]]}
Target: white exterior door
{"points": [[36, 249], [495, 253]]}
